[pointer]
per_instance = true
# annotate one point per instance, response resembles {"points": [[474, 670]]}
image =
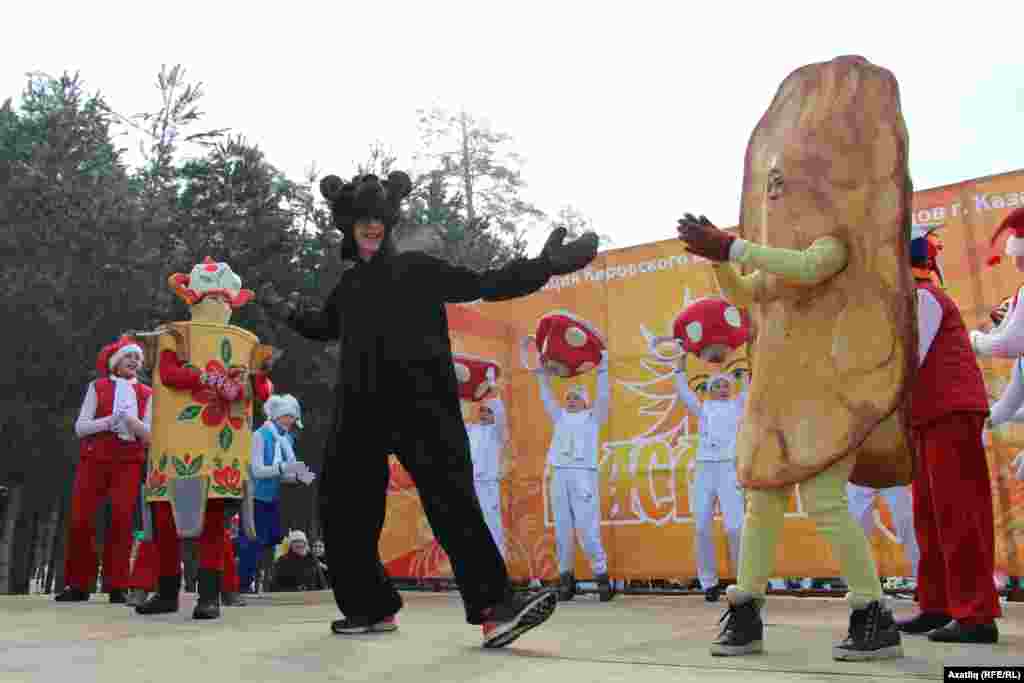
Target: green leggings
{"points": [[824, 499]]}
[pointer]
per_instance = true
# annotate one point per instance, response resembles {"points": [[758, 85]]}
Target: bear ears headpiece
{"points": [[365, 196]]}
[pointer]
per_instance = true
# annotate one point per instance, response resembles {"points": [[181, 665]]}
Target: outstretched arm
{"points": [[1007, 339], [318, 324], [826, 257], [456, 284], [1010, 403], [602, 404]]}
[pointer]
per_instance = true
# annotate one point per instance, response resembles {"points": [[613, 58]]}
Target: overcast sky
{"points": [[633, 114]]}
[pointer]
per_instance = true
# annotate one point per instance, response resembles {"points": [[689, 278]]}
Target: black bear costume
{"points": [[397, 393]]}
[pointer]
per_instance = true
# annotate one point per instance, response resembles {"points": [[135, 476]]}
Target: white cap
{"points": [[116, 357], [280, 405], [297, 535]]}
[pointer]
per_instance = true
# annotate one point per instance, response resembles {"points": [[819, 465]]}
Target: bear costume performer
{"points": [[827, 186], [397, 393], [206, 373]]}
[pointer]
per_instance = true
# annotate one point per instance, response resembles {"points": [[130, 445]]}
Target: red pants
{"points": [[96, 480], [211, 540], [953, 519], [230, 583], [144, 571]]}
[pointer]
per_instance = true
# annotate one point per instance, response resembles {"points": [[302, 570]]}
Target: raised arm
{"points": [[1007, 339], [551, 406], [602, 404], [693, 404], [497, 406]]}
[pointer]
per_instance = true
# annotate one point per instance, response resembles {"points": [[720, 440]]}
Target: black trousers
{"points": [[430, 441]]}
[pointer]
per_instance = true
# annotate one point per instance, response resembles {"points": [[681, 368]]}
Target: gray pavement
{"points": [[285, 637]]}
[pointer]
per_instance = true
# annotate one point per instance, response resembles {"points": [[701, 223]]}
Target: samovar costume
{"points": [[205, 375]]}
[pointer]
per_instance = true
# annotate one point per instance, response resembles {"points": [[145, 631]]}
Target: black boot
{"points": [[71, 594], [118, 596], [604, 587], [743, 630], [923, 622], [713, 594], [955, 632], [208, 604], [872, 635], [232, 600], [567, 589], [165, 600]]}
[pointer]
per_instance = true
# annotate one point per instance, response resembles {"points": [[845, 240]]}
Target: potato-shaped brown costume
{"points": [[834, 361]]}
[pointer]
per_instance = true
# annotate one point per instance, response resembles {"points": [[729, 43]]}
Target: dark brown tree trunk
{"points": [[12, 513]]}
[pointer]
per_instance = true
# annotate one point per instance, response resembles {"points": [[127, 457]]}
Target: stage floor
{"points": [[285, 637]]}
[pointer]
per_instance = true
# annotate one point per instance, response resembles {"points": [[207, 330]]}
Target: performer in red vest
{"points": [[143, 579], [229, 594], [952, 490], [113, 426]]}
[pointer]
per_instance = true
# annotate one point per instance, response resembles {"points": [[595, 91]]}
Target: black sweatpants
{"points": [[429, 439]]}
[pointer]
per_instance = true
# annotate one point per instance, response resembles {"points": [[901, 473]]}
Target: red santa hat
{"points": [[111, 354], [1015, 243]]}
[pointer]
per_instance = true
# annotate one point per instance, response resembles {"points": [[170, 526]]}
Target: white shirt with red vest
{"points": [[949, 379], [103, 436]]}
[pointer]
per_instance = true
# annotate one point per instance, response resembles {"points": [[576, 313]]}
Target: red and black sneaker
{"points": [[355, 626], [517, 615]]}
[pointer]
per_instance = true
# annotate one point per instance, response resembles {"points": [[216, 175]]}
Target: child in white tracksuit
{"points": [[575, 497], [486, 444], [901, 506], [719, 418]]}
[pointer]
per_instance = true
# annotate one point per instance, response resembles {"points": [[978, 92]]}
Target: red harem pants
{"points": [[211, 540], [144, 571], [954, 521], [230, 583], [95, 480]]}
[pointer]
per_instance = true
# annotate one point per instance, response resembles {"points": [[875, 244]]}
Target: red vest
{"points": [[106, 446], [950, 380]]}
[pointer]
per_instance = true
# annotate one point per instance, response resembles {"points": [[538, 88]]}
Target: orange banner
{"points": [[649, 442]]}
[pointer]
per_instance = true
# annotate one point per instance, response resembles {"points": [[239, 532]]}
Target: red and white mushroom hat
{"points": [[567, 345], [708, 328], [477, 376]]}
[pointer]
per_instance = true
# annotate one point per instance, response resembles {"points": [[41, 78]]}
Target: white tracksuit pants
{"points": [[715, 479], [576, 503], [901, 508], [489, 493]]}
